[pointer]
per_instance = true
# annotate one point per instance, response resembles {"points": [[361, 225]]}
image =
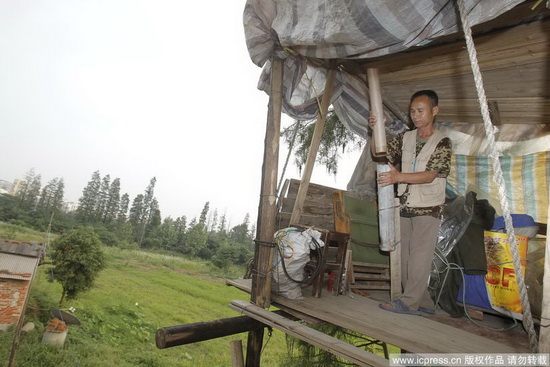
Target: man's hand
{"points": [[373, 119], [389, 178]]}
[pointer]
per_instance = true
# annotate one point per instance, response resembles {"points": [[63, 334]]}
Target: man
{"points": [[424, 155]]}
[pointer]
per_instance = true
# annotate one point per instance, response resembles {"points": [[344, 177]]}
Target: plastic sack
{"points": [[292, 251], [456, 218]]}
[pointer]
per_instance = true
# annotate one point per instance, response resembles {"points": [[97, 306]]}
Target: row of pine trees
{"points": [[118, 223]]}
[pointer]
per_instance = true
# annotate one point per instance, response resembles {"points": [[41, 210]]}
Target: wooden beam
{"points": [[544, 337], [172, 336], [267, 212], [335, 346], [394, 108], [313, 148]]}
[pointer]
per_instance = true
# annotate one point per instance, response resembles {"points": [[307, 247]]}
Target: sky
{"points": [[138, 89]]}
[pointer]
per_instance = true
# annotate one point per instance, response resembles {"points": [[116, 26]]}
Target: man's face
{"points": [[422, 113]]}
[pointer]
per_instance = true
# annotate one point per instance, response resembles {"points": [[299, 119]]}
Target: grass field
{"points": [[135, 295]]}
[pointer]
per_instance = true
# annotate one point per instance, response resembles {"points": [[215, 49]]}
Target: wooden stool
{"points": [[333, 260]]}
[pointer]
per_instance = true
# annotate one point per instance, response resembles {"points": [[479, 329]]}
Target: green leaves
{"points": [[335, 137], [78, 258]]}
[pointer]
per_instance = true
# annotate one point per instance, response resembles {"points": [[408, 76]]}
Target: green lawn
{"points": [[135, 295]]}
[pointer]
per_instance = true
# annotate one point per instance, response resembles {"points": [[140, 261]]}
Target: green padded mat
{"points": [[364, 230]]}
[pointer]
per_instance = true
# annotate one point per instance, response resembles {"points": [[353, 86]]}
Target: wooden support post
{"points": [[267, 212], [313, 148], [377, 109], [237, 359], [544, 337]]}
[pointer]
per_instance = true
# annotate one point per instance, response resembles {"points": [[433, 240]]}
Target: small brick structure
{"points": [[18, 262]]}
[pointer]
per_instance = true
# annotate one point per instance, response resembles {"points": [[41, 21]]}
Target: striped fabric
{"points": [[308, 33], [527, 181]]}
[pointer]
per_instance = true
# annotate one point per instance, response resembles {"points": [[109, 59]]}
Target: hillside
{"points": [[137, 293]]}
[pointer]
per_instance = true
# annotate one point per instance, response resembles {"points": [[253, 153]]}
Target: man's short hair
{"points": [[432, 96]]}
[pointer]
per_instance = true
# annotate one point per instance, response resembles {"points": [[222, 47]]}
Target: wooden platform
{"points": [[416, 334]]}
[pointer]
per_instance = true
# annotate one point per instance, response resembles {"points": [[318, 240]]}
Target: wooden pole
{"points": [[267, 211], [236, 353], [313, 148], [377, 109], [172, 336], [386, 197], [544, 337]]}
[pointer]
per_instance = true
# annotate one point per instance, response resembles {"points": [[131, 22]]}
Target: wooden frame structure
{"points": [[392, 73]]}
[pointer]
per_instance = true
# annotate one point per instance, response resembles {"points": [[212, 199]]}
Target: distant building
{"points": [[18, 185], [69, 206], [6, 187]]}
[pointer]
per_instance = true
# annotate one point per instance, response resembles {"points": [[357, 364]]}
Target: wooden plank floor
{"points": [[412, 333]]}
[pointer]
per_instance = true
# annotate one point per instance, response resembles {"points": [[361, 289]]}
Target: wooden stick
{"points": [[313, 148], [377, 109], [237, 359]]}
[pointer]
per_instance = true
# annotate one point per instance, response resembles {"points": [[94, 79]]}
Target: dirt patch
{"points": [[199, 275], [139, 265]]}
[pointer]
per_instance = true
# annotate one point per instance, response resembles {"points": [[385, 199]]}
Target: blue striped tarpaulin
{"points": [[526, 179]]}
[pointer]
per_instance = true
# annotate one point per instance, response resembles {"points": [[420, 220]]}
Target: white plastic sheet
{"points": [[295, 247]]}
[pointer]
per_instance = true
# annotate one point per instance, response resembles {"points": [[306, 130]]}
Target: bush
{"points": [[77, 259]]}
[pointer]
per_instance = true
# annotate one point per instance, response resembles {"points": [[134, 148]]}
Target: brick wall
{"points": [[13, 293]]}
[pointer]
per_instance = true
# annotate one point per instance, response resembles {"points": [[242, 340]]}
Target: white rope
{"points": [[498, 178]]}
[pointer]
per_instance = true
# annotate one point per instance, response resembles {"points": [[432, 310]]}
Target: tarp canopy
{"points": [[306, 34]]}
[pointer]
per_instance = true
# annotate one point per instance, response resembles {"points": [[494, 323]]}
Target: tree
{"points": [[155, 219], [214, 222], [51, 198], [58, 194], [204, 213], [221, 227], [335, 137], [240, 233], [77, 260], [136, 213], [102, 199], [87, 203], [147, 209], [167, 234], [123, 210], [29, 192], [181, 227], [112, 206]]}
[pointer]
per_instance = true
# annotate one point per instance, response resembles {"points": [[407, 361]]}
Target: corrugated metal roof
{"points": [[17, 267], [33, 249]]}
